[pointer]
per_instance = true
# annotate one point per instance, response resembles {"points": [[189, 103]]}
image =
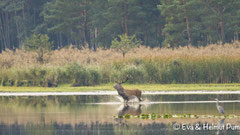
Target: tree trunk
{"points": [[86, 31], [187, 22], [222, 32], [188, 30], [61, 41], [126, 16], [122, 26], [24, 30], [3, 29], [17, 26], [40, 56], [95, 38], [1, 36], [123, 54], [1, 40], [7, 31], [84, 26], [0, 47], [217, 32], [237, 37]]}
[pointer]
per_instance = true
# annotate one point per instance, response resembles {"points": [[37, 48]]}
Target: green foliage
{"points": [[18, 21], [78, 75], [135, 74], [39, 44], [173, 12], [125, 43], [81, 76], [144, 20], [95, 76], [147, 71], [51, 79], [97, 23], [152, 72], [154, 116], [209, 21], [68, 20]]}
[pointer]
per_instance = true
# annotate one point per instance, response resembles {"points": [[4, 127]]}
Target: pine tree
{"points": [[138, 17], [17, 20], [69, 18], [175, 27], [199, 22], [125, 43], [39, 44]]}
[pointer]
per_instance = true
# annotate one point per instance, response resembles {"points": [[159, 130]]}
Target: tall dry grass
{"points": [[23, 59], [210, 64]]}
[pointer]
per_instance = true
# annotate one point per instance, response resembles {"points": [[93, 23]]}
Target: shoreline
{"points": [[113, 93], [146, 88], [142, 87]]}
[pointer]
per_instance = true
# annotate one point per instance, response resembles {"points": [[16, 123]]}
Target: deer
{"points": [[127, 94]]}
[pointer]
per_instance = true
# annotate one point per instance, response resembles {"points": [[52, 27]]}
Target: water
{"points": [[94, 114]]}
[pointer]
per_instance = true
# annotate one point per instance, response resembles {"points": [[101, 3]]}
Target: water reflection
{"points": [[130, 109], [133, 110], [84, 115], [221, 126]]}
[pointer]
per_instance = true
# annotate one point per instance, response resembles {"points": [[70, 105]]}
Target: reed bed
{"points": [[211, 64]]}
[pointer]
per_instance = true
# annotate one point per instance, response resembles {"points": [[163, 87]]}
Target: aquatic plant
{"points": [[154, 116]]}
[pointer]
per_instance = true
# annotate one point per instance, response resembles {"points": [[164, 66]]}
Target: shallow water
{"points": [[94, 114]]}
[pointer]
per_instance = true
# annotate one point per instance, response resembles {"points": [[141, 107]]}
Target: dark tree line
{"points": [[200, 22], [95, 23]]}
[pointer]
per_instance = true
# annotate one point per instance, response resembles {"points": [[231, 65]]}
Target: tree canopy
{"points": [[95, 23], [39, 44], [125, 43]]}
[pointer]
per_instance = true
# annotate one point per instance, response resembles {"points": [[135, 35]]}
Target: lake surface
{"points": [[96, 114]]}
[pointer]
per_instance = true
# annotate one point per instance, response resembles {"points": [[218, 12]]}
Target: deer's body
{"points": [[128, 94]]}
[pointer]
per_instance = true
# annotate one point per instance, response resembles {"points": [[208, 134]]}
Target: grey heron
{"points": [[220, 108]]}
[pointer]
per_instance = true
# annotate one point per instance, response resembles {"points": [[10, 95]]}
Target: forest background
{"points": [[75, 41]]}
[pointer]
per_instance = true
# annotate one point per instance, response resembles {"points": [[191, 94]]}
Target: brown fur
{"points": [[135, 92], [127, 94]]}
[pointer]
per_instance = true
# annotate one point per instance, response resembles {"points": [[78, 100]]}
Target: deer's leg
{"points": [[127, 100]]}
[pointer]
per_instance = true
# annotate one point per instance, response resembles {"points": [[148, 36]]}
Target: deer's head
{"points": [[118, 86]]}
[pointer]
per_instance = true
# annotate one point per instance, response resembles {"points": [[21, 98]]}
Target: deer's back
{"points": [[135, 92]]}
